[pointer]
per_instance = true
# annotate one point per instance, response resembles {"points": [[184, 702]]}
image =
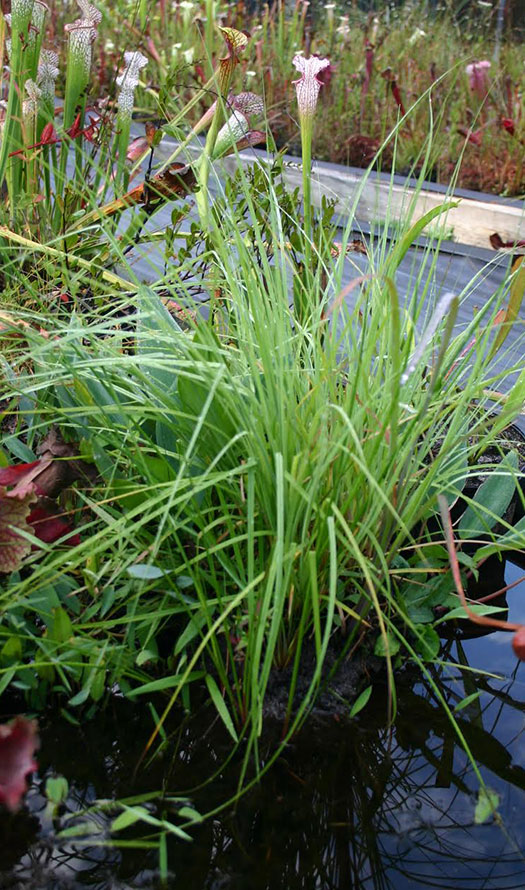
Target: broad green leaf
{"points": [[61, 628], [477, 608], [389, 646], [6, 678], [486, 805], [190, 632], [57, 788], [98, 686], [420, 613], [187, 812], [184, 581], [144, 572], [11, 651], [144, 656], [427, 643], [220, 705], [81, 696], [361, 702], [494, 494]]}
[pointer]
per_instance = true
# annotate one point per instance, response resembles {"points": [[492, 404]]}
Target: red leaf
{"points": [[75, 129], [48, 526], [14, 511], [18, 743], [48, 135], [11, 475]]}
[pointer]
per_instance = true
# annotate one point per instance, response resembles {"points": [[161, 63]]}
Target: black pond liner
{"points": [[349, 804]]}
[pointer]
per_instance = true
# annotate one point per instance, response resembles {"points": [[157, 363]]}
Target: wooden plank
{"points": [[385, 200]]}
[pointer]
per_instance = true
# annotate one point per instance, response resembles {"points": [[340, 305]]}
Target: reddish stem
{"points": [[456, 574]]}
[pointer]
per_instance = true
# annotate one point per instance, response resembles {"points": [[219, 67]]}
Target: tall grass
{"points": [[266, 482], [258, 478]]}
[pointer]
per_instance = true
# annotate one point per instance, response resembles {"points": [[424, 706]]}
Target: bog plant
{"points": [[380, 66], [67, 175], [245, 488]]}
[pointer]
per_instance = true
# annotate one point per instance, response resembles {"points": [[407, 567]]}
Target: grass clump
{"points": [[253, 471]]}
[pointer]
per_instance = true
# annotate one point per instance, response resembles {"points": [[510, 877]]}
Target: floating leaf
{"points": [[57, 788], [486, 805], [386, 647]]}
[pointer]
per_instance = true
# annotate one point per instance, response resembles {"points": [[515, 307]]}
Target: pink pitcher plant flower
{"points": [[47, 73], [477, 76], [307, 89], [128, 82], [30, 104], [89, 12], [472, 136], [308, 85]]}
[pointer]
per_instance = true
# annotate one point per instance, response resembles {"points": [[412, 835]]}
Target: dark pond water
{"points": [[350, 804]]}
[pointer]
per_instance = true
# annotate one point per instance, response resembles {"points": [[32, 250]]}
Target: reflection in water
{"points": [[349, 804]]}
